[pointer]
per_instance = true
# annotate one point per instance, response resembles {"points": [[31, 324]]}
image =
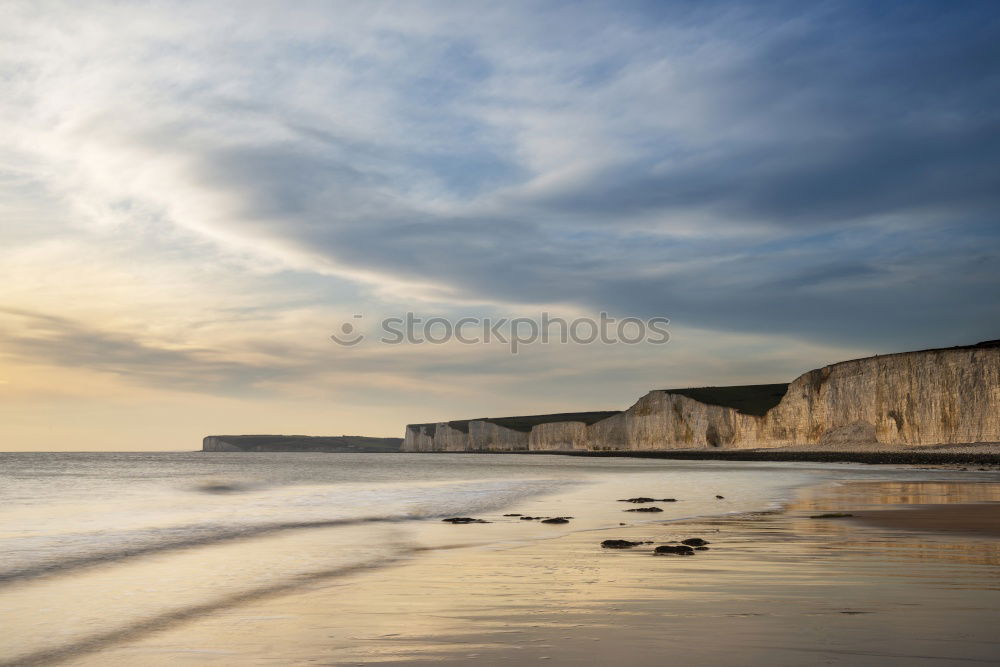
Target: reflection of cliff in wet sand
{"points": [[961, 519], [972, 508], [893, 402]]}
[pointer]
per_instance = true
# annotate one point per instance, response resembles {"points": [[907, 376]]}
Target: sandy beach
{"points": [[913, 577]]}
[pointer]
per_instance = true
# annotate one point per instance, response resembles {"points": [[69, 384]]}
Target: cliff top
{"points": [[525, 423], [982, 345], [259, 438]]}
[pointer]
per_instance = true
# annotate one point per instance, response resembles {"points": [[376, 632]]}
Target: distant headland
{"points": [[299, 443]]}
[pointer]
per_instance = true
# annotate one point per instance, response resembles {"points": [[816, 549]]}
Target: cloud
{"points": [[58, 341], [822, 171]]}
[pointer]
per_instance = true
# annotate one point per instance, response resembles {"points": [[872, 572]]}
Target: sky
{"points": [[195, 196]]}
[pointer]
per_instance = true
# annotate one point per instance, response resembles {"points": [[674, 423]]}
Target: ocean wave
{"points": [[63, 552]]}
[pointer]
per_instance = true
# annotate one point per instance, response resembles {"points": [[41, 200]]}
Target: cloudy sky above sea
{"points": [[195, 195]]}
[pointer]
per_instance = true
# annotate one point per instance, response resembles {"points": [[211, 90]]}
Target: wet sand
{"points": [[775, 588], [974, 520]]}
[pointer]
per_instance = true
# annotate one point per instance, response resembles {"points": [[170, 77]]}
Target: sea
{"points": [[95, 545]]}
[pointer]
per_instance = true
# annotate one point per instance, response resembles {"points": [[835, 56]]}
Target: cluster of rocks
{"points": [[543, 519], [610, 544], [540, 519], [645, 499], [686, 547]]}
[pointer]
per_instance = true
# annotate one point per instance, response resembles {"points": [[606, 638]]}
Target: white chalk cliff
{"points": [[942, 396]]}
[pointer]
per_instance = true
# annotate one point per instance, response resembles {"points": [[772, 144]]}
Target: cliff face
{"points": [[215, 443], [917, 398], [914, 398], [558, 436], [502, 434], [439, 437]]}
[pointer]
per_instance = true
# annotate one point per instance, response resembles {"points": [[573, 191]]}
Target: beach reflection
{"points": [[895, 536], [858, 495]]}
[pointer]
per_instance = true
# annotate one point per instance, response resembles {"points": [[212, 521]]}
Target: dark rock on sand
{"points": [[464, 519], [721, 497], [678, 549], [643, 499], [222, 487], [619, 544], [701, 548], [645, 509], [512, 515], [531, 518], [558, 519], [695, 542]]}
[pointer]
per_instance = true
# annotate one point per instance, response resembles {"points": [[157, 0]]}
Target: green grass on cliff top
{"points": [[750, 399]]}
